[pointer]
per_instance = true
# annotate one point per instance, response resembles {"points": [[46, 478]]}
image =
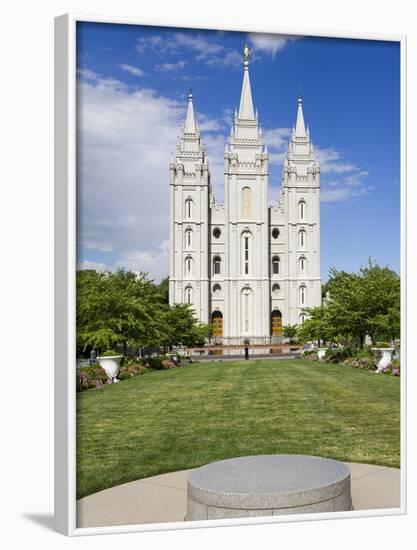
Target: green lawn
{"points": [[181, 418]]}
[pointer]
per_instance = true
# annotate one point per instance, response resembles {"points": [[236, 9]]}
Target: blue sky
{"points": [[133, 83]]}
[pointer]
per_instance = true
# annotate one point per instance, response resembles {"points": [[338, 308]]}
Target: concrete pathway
{"points": [[163, 498]]}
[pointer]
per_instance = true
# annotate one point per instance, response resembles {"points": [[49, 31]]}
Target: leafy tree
{"points": [[128, 310], [163, 289], [116, 308], [318, 326], [289, 331], [364, 303], [181, 328]]}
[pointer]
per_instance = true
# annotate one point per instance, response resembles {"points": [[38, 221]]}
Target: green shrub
{"points": [[364, 353], [307, 352], [396, 367], [337, 355], [135, 361], [110, 353], [95, 372], [90, 377], [383, 345], [131, 370], [157, 363], [360, 363]]}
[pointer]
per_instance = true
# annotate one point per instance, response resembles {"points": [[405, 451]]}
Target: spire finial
{"points": [[246, 55], [190, 94]]}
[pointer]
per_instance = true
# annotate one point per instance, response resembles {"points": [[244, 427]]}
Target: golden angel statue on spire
{"points": [[246, 52]]}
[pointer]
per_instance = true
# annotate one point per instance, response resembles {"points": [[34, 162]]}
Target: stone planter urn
{"points": [[386, 358], [111, 365], [321, 352]]}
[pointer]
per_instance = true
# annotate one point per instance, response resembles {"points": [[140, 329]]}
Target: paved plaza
{"points": [[163, 498]]}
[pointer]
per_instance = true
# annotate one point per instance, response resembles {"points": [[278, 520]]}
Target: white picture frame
{"points": [[65, 269]]}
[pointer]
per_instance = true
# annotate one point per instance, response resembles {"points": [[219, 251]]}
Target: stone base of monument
{"points": [[268, 485]]}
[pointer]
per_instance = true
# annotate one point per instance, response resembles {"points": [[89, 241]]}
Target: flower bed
{"points": [[360, 363], [94, 377], [358, 359], [90, 377]]}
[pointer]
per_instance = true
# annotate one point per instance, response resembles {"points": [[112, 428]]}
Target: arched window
{"points": [[302, 318], [302, 237], [246, 203], [275, 290], [188, 239], [275, 265], [302, 210], [246, 310], [217, 262], [275, 233], [302, 265], [303, 295], [216, 290], [189, 295], [188, 265], [216, 232], [188, 209]]}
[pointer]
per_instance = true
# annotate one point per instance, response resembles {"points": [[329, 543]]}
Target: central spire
{"points": [[190, 127], [246, 105]]}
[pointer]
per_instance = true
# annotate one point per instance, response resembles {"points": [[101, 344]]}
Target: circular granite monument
{"points": [[268, 485]]}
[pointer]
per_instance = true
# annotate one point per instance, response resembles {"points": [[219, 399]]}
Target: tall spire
{"points": [[300, 130], [190, 127], [246, 105]]}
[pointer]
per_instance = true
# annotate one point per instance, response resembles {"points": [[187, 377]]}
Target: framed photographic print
{"points": [[230, 282]]}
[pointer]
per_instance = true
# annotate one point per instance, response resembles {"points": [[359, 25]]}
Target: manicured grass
{"points": [[170, 420]]}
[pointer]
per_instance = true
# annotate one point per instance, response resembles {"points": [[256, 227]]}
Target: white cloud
{"points": [[135, 71], [171, 66], [341, 192], [270, 43], [356, 179], [205, 49], [208, 124], [87, 264], [346, 187], [153, 261], [330, 161], [228, 116], [200, 44], [155, 43], [340, 180], [227, 58], [125, 140], [87, 74], [277, 139], [350, 179]]}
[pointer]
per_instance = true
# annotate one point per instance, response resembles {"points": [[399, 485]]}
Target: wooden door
{"points": [[276, 323], [217, 322]]}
